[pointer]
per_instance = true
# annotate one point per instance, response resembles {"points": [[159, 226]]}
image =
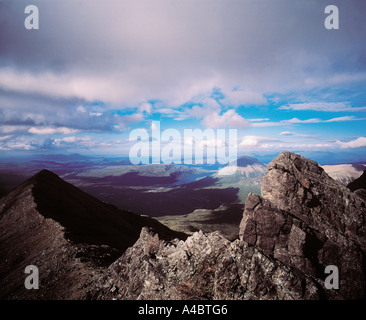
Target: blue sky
{"points": [[96, 70]]}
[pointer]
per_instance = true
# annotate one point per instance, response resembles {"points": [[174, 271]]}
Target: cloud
{"points": [[13, 129], [346, 118], [324, 106], [5, 138], [111, 64], [258, 119], [254, 141], [50, 131], [95, 114], [207, 107], [145, 107], [336, 79], [299, 121], [230, 119], [300, 135], [311, 146], [123, 121], [80, 109], [237, 98], [138, 51], [358, 143]]}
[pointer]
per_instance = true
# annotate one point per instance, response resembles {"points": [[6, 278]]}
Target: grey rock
{"points": [[205, 266], [307, 220], [303, 222]]}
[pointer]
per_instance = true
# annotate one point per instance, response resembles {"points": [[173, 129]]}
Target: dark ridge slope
{"points": [[359, 186], [87, 219], [69, 235]]}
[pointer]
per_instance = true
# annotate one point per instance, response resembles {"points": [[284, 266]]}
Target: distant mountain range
{"points": [[184, 197]]}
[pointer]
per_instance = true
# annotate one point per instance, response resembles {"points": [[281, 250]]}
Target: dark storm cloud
{"points": [[158, 49]]}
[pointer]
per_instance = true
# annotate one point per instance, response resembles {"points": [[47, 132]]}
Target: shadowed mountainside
{"points": [[359, 186], [70, 235]]}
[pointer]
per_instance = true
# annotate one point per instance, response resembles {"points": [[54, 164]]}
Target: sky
{"points": [[96, 70]]}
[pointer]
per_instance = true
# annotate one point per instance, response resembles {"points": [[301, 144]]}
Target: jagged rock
{"points": [[303, 222], [205, 266], [300, 186], [361, 193], [307, 220]]}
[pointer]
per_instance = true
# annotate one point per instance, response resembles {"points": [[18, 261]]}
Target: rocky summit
{"points": [[304, 238], [308, 221], [303, 223]]}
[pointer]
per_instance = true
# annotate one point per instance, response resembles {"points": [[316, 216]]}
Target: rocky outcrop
{"points": [[303, 222], [69, 235], [308, 221], [203, 267]]}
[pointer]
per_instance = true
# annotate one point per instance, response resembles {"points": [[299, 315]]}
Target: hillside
{"points": [[70, 235]]}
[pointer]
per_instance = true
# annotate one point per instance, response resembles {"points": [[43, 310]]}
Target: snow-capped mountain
{"points": [[345, 173]]}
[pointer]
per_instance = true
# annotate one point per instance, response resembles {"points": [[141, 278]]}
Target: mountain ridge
{"points": [[70, 235], [303, 222]]}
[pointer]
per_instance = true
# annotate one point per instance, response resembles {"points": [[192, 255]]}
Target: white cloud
{"points": [[123, 121], [80, 109], [145, 107], [208, 107], [310, 146], [358, 143], [324, 106], [13, 129], [230, 119], [299, 121], [18, 143], [254, 141], [49, 130], [95, 114], [19, 146], [5, 138], [346, 118], [258, 119], [236, 98]]}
